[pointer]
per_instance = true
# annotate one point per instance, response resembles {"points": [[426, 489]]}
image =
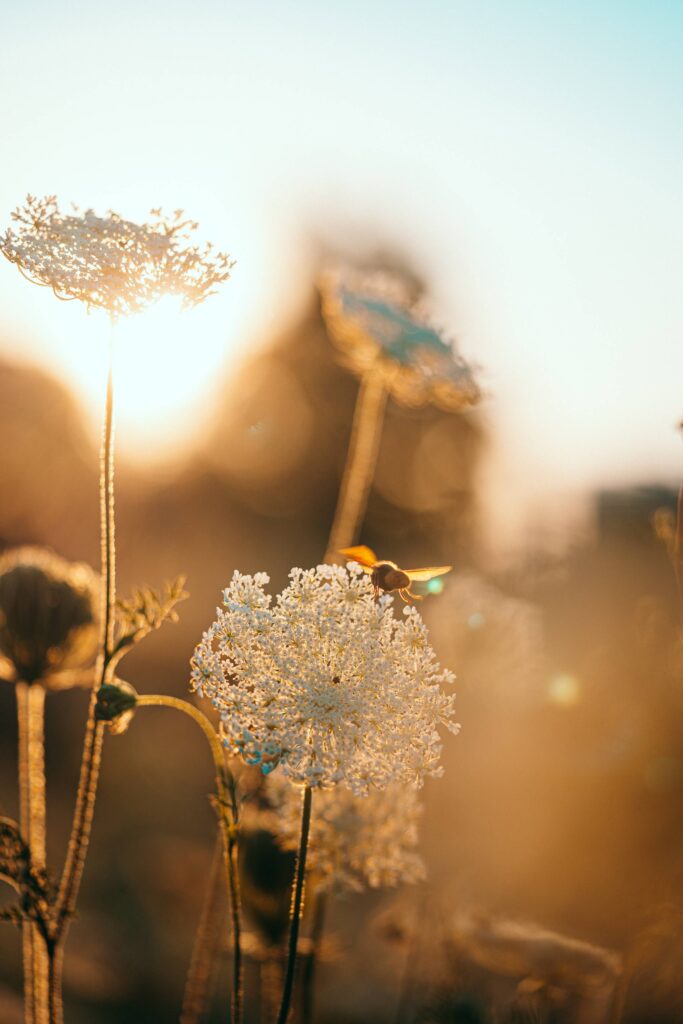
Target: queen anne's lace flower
{"points": [[108, 262], [354, 840], [378, 327], [327, 683]]}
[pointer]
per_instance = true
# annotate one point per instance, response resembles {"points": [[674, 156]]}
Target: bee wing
{"points": [[422, 575], [365, 556]]}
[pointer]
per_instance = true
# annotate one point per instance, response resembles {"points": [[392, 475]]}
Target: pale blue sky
{"points": [[526, 156]]}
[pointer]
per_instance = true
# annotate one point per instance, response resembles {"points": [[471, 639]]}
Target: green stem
{"points": [[94, 732], [235, 907], [226, 798], [360, 465], [206, 944], [297, 904]]}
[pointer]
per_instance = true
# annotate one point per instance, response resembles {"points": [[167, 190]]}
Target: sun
{"points": [[166, 364]]}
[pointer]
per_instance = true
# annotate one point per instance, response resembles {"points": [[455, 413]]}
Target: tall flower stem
{"points": [[206, 943], [227, 801], [31, 720], [94, 731], [360, 465], [297, 905]]}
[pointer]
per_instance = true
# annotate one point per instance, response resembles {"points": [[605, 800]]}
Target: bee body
{"points": [[387, 576]]}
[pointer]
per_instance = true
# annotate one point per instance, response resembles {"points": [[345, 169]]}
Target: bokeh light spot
{"points": [[476, 620], [435, 586], [564, 690]]}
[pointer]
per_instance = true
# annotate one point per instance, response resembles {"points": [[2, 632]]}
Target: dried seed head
{"points": [[48, 615]]}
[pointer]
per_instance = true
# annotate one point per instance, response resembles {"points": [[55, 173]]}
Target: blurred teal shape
{"points": [[380, 330]]}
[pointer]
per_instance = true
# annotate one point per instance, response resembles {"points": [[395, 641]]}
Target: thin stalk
{"points": [[37, 836], [297, 905], [226, 798], [94, 731], [206, 944], [361, 460], [235, 908], [21, 690], [678, 545], [55, 957], [308, 974]]}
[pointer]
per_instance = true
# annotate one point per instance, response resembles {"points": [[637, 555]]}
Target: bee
{"points": [[387, 576]]}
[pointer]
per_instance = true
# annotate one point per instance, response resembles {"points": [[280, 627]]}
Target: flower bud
{"points": [[116, 705]]}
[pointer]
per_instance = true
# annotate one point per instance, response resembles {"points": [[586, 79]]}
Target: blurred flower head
{"points": [[108, 262], [376, 324], [48, 616], [354, 840], [524, 950], [327, 683]]}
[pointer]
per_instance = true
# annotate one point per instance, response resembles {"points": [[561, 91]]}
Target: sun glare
{"points": [[166, 361]]}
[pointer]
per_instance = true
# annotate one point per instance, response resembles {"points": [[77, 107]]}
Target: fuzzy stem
{"points": [[94, 731], [226, 798], [361, 460], [308, 979], [55, 1011], [22, 690], [30, 718], [36, 835], [206, 944], [297, 905]]}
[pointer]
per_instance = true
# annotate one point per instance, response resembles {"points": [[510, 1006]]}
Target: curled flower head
{"points": [[379, 328], [354, 840], [325, 683], [108, 262], [48, 615]]}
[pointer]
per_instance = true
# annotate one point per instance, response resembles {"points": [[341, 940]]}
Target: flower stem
{"points": [[206, 944], [226, 798], [30, 718], [361, 460], [678, 544], [94, 731], [297, 905], [55, 955]]}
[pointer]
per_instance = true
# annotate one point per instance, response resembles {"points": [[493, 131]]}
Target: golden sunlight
{"points": [[165, 361]]}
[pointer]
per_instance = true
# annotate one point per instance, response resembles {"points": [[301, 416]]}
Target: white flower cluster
{"points": [[326, 683], [108, 262], [354, 840]]}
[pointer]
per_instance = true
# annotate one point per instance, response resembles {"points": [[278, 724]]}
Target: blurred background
{"points": [[522, 161]]}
